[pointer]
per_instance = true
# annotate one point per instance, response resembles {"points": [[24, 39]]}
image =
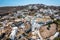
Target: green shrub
{"points": [[57, 38]]}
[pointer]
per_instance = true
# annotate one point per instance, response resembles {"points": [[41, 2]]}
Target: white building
{"points": [[13, 33]]}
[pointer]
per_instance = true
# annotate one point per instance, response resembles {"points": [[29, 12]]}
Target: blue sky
{"points": [[25, 2]]}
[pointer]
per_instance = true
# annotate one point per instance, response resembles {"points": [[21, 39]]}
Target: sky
{"points": [[26, 2]]}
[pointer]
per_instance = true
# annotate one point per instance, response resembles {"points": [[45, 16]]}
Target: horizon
{"points": [[4, 3]]}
